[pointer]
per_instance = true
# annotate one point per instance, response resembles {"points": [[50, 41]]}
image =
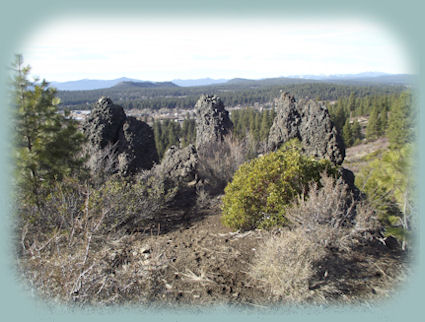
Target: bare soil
{"points": [[206, 263], [199, 262], [355, 156]]}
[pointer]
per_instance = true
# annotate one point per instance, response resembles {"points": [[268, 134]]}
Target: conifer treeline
{"points": [[231, 94], [169, 132], [247, 121], [387, 115]]}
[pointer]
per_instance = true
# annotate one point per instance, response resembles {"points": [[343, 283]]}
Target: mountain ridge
{"points": [[372, 77]]}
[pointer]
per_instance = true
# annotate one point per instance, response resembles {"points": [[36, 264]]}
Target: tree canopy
{"points": [[47, 143]]}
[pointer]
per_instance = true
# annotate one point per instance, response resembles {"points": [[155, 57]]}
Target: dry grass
{"points": [[356, 156], [325, 213], [219, 161], [77, 248], [200, 278], [101, 269], [329, 251], [285, 265]]}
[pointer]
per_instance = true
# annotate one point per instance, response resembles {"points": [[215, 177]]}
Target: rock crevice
{"points": [[310, 122], [125, 141]]}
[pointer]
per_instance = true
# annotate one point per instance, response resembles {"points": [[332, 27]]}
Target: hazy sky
{"points": [[161, 50]]}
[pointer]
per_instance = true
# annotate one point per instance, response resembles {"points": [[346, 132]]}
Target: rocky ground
{"points": [[208, 263], [204, 263], [196, 262]]}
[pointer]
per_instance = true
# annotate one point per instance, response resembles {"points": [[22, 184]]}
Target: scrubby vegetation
{"points": [[89, 235], [262, 189], [325, 226], [389, 185], [219, 161]]}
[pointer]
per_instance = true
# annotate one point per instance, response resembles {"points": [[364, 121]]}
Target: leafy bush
{"points": [[262, 188]]}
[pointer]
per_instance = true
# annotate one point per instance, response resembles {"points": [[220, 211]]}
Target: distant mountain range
{"points": [[198, 82], [371, 77], [89, 84], [342, 76], [141, 84], [92, 84], [367, 77]]}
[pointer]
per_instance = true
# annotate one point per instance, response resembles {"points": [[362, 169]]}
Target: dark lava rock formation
{"points": [[179, 168], [212, 121], [128, 141], [310, 122]]}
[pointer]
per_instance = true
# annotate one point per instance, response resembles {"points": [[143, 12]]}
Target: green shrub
{"points": [[389, 186], [262, 188]]}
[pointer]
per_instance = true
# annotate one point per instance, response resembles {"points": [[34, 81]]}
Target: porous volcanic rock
{"points": [[136, 148], [131, 141], [103, 124], [212, 121], [310, 122], [178, 168]]}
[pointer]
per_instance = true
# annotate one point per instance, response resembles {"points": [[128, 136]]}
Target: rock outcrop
{"points": [[104, 123], [178, 168], [212, 121], [310, 122], [127, 142]]}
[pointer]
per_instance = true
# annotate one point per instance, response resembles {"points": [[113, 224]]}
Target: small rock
{"points": [[146, 249]]}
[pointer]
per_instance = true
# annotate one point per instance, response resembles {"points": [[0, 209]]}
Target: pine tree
{"points": [[356, 132], [264, 127], [257, 126], [373, 125], [272, 116], [347, 135], [400, 122], [351, 102], [383, 122], [339, 116], [173, 134], [47, 142], [387, 181], [158, 134]]}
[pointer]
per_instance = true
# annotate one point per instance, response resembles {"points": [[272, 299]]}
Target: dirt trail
{"points": [[208, 263]]}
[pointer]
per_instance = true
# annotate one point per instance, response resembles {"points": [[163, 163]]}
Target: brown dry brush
{"points": [[328, 252], [219, 161], [101, 163], [76, 248]]}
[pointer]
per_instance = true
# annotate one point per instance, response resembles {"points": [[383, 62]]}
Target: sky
{"points": [[166, 49]]}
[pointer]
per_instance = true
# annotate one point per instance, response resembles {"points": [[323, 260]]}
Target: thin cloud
{"points": [[159, 50]]}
